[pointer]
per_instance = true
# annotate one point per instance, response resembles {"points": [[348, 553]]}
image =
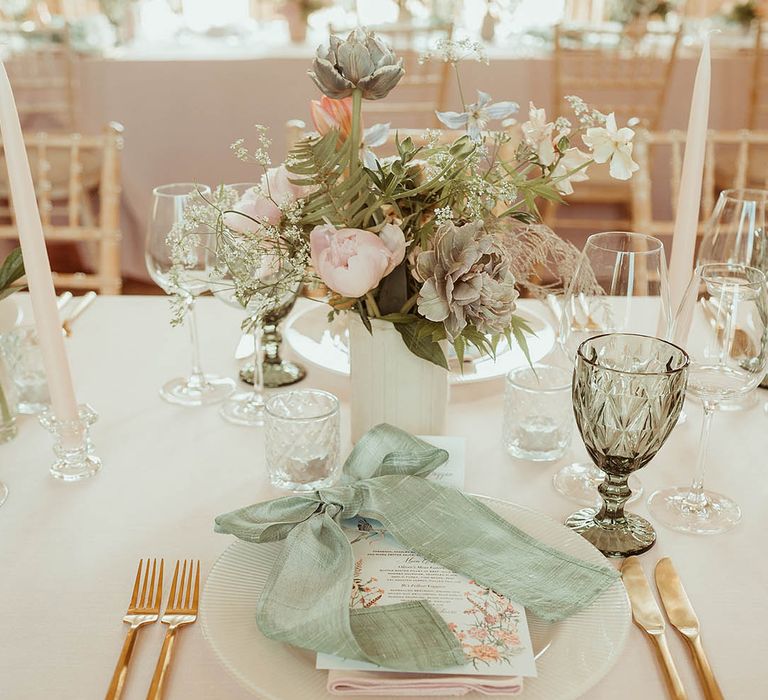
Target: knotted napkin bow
{"points": [[306, 598]]}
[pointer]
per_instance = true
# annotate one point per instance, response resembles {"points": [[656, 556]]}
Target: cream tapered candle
{"points": [[689, 197], [36, 263]]}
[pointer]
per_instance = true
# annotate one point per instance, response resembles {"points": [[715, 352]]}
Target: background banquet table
{"points": [[69, 551], [181, 113]]}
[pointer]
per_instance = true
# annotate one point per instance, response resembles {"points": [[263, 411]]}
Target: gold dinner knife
{"points": [[683, 618], [647, 615]]}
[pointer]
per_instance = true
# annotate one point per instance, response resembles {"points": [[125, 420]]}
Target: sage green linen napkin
{"points": [[305, 601]]}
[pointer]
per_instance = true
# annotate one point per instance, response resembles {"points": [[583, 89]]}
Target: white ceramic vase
{"points": [[392, 385]]}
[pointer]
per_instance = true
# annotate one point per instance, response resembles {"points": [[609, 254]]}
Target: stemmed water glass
{"points": [[168, 206], [722, 322], [736, 233], [628, 391], [619, 285], [271, 293]]}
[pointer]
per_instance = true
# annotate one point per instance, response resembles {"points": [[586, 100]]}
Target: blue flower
{"points": [[478, 115]]}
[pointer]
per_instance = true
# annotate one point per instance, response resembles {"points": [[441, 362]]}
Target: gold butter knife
{"points": [[683, 618], [647, 615]]}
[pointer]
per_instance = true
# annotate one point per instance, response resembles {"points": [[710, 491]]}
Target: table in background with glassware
{"points": [[70, 548]]}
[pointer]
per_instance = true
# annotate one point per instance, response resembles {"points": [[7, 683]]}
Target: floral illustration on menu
{"points": [[491, 633], [365, 594]]}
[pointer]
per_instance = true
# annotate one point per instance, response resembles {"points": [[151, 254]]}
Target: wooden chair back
{"points": [[656, 185], [83, 206], [615, 71], [423, 89], [42, 75], [758, 95], [591, 11]]}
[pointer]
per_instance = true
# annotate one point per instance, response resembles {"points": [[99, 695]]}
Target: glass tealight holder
{"points": [[302, 440], [538, 418]]}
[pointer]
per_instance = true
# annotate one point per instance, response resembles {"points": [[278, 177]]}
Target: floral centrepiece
{"points": [[436, 238], [11, 271]]}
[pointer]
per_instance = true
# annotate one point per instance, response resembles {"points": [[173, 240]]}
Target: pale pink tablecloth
{"points": [[181, 116], [69, 551]]}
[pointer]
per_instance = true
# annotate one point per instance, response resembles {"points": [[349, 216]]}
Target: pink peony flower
{"points": [[352, 261], [330, 114], [263, 203]]}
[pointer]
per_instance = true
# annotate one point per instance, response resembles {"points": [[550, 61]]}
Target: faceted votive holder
{"points": [[538, 417], [72, 445]]}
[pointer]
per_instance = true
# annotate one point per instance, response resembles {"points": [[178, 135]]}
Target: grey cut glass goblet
{"points": [[628, 391]]}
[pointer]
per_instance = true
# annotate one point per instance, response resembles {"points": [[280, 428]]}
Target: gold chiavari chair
{"points": [[592, 11], [423, 89], [758, 93], [656, 185], [613, 71], [43, 77], [82, 206]]}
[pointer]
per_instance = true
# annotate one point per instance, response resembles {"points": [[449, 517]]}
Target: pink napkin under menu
{"points": [[414, 684]]}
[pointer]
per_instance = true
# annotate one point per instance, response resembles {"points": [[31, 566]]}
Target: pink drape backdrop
{"points": [[180, 116]]}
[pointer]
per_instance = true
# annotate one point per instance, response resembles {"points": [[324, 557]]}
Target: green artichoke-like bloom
{"points": [[360, 61]]}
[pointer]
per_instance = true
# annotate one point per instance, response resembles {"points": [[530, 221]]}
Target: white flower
{"points": [[609, 143], [477, 115], [570, 168], [373, 136], [543, 136], [454, 51]]}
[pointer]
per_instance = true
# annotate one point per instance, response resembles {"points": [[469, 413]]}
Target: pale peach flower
{"points": [[483, 652]]}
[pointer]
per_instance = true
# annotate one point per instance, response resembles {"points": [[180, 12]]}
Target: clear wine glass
{"points": [[736, 233], [268, 299], [168, 204], [619, 286], [722, 323]]}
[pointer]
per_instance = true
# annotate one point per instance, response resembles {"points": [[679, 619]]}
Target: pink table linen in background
{"points": [[181, 116]]}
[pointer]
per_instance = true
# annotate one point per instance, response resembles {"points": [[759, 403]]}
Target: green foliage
{"points": [[323, 162], [11, 270], [423, 338]]}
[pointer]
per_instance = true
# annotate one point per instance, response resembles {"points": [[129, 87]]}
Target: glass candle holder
{"points": [[75, 459], [538, 419], [302, 439]]}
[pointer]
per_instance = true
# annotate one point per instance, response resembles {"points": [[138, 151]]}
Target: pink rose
{"points": [[263, 203], [352, 261]]}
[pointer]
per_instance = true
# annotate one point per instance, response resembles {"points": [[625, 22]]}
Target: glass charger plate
{"points": [[326, 346], [573, 655]]}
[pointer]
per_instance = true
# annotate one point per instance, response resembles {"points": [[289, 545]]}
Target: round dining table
{"points": [[69, 551]]}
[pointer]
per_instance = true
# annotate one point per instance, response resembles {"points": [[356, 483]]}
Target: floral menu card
{"points": [[492, 629]]}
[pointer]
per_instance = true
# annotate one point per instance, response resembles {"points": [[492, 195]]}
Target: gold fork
{"points": [[143, 609], [181, 610]]}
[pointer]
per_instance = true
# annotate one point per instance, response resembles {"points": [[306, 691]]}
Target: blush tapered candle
{"points": [[36, 263], [689, 197]]}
